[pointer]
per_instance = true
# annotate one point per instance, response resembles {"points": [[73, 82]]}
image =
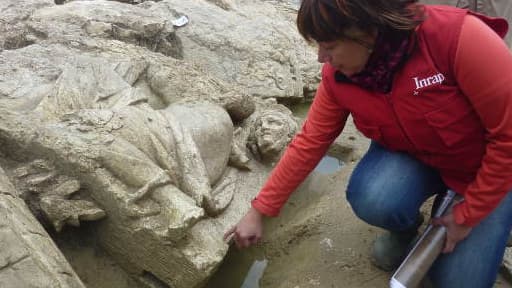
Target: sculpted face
{"points": [[273, 132]]}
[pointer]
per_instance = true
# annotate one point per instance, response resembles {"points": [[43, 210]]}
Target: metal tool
{"points": [[425, 251]]}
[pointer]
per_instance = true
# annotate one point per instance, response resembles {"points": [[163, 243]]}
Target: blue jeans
{"points": [[387, 189]]}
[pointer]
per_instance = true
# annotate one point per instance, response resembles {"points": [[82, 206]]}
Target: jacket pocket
{"points": [[455, 122]]}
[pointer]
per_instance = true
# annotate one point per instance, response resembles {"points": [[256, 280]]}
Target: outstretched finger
{"points": [[228, 236]]}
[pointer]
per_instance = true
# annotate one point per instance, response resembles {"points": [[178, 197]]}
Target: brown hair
{"points": [[328, 20]]}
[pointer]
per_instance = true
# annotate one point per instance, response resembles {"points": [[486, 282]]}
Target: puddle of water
{"points": [[329, 165], [252, 280], [240, 269]]}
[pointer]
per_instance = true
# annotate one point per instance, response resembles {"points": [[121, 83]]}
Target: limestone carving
{"points": [[119, 155], [271, 132], [106, 117], [29, 258]]}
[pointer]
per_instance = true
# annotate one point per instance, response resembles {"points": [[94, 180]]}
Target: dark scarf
{"points": [[390, 52]]}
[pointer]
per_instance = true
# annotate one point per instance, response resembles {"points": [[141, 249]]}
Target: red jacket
{"points": [[450, 107]]}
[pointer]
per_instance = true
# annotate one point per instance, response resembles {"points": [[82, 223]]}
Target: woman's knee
{"points": [[377, 207], [387, 188]]}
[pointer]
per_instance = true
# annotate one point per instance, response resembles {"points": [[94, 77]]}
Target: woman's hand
{"points": [[454, 232], [248, 231]]}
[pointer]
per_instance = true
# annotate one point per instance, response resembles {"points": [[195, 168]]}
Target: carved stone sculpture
{"points": [[101, 121], [147, 173], [271, 132], [29, 257]]}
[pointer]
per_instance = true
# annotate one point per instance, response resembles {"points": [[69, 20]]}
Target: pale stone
{"points": [[507, 262], [28, 256], [107, 115]]}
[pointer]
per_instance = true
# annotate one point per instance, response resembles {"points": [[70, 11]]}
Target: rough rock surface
{"points": [[114, 114], [245, 46], [29, 258], [507, 263]]}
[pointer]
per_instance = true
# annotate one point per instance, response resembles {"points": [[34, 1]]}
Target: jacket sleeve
{"points": [[324, 122], [483, 69]]}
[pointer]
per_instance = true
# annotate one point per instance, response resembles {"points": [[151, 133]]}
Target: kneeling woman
{"points": [[432, 87]]}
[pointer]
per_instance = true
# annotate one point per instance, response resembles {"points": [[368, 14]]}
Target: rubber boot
{"points": [[390, 248]]}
